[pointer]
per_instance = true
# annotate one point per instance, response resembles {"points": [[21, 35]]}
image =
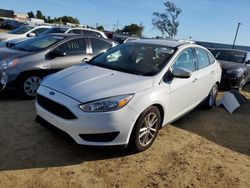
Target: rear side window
{"points": [[211, 58], [99, 46], [39, 31], [73, 46], [203, 59], [76, 31], [185, 60]]}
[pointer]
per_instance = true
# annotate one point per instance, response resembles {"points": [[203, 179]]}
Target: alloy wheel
{"points": [[148, 129], [31, 85]]}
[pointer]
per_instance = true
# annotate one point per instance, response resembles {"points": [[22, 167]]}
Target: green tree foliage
{"points": [[100, 28], [31, 14], [133, 29], [167, 22], [39, 15]]}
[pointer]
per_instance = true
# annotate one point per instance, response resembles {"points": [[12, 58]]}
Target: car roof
{"points": [[67, 35], [227, 49], [165, 42]]}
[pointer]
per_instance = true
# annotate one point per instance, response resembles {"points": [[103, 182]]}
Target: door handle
{"points": [[195, 80], [212, 72]]}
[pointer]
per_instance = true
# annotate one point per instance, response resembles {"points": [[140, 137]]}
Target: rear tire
{"points": [[29, 84], [145, 129], [211, 98]]}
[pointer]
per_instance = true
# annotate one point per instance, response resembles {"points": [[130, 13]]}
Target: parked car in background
{"points": [[25, 64], [235, 67], [12, 24], [123, 39], [79, 31], [124, 96], [22, 33]]}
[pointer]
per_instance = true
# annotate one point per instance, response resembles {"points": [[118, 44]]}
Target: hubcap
{"points": [[31, 85], [213, 95], [148, 129]]}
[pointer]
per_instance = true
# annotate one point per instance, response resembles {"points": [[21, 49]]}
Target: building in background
{"points": [[6, 13], [21, 16]]}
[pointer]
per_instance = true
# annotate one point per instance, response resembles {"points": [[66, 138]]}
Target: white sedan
{"points": [[22, 33], [124, 96]]}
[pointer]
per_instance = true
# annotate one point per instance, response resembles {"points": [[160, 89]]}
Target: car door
{"points": [[182, 91], [99, 46], [205, 76], [69, 53]]}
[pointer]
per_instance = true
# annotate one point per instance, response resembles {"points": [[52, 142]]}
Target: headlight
{"points": [[237, 71], [107, 104], [5, 64]]}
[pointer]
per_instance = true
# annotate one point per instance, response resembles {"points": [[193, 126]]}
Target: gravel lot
{"points": [[203, 149]]}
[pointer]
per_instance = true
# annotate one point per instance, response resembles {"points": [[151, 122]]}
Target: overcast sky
{"points": [[205, 20]]}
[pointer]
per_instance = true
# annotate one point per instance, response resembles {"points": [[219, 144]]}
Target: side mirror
{"points": [[59, 53], [181, 73], [31, 35], [248, 62]]}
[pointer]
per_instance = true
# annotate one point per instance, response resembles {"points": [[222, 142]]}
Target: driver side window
{"points": [[185, 60]]}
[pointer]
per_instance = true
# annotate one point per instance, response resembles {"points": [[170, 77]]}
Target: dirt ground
{"points": [[203, 149]]}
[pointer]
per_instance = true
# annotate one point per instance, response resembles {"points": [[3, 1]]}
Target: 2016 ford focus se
{"points": [[124, 96]]}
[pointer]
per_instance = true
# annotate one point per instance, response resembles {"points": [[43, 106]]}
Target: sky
{"points": [[203, 20]]}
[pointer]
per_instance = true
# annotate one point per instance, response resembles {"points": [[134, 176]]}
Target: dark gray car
{"points": [[25, 64]]}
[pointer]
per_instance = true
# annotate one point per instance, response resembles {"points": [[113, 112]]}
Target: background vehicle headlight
{"points": [[107, 104], [5, 64], [237, 71]]}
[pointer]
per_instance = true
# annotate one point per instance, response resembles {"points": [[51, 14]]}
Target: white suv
{"points": [[77, 30], [124, 96]]}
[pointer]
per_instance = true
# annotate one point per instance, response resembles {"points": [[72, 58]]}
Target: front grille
{"points": [[55, 108]]}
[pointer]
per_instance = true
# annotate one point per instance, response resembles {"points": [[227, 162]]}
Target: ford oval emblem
{"points": [[52, 93]]}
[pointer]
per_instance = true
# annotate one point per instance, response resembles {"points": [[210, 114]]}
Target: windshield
{"points": [[39, 43], [228, 55], [21, 30], [140, 59], [55, 30]]}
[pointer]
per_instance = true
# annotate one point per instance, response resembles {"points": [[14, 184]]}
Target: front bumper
{"points": [[93, 129], [231, 81]]}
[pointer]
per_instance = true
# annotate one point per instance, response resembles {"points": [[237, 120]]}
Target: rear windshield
{"points": [[228, 55], [21, 30], [55, 30]]}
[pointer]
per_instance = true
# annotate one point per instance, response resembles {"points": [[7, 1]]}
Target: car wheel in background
{"points": [[211, 99], [29, 84], [145, 129]]}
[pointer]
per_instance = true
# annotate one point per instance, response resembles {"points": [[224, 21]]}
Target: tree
{"points": [[31, 14], [167, 22], [100, 28], [39, 15], [133, 29]]}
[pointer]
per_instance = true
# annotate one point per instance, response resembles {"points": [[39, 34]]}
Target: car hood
{"points": [[8, 53], [8, 36], [226, 65], [87, 82]]}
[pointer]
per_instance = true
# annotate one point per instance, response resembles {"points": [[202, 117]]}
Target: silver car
{"points": [[25, 64]]}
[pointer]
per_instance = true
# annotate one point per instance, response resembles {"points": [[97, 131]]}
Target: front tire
{"points": [[29, 84], [211, 99], [145, 129]]}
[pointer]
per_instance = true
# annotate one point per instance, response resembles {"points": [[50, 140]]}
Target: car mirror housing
{"points": [[181, 73], [31, 35], [248, 62]]}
